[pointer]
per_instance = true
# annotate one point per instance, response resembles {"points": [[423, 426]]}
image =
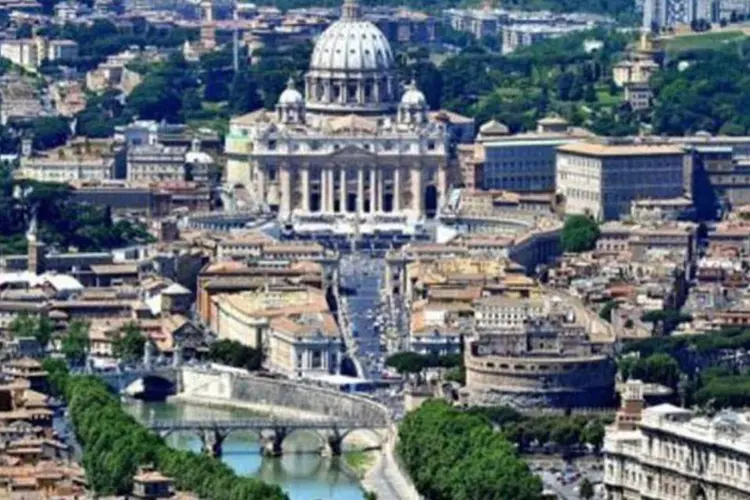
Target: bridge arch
{"points": [[151, 386]]}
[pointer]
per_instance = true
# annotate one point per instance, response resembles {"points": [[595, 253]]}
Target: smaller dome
{"points": [[291, 96], [413, 97]]}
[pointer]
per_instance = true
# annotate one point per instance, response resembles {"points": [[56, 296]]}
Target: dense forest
{"points": [[711, 94]]}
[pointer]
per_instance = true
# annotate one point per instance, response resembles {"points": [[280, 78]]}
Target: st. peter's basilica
{"points": [[358, 145]]}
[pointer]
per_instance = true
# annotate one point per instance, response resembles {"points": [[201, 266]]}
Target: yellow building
{"points": [[292, 324]]}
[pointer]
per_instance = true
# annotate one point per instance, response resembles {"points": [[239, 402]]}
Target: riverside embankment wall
{"points": [[265, 394]]}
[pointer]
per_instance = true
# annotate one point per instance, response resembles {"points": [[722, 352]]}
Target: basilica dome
{"points": [[350, 45], [351, 68]]}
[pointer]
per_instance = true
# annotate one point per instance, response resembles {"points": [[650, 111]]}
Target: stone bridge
{"points": [[271, 432]]}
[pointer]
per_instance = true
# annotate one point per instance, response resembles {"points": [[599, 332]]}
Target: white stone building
{"points": [[603, 179], [156, 163], [22, 52], [354, 146], [675, 454]]}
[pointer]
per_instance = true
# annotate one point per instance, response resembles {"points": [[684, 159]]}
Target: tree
{"points": [[586, 489], [216, 87], [23, 325], [407, 363], [233, 353], [243, 94], [452, 454], [57, 375], [657, 368], [38, 327], [606, 311], [75, 343], [50, 132], [593, 434], [114, 446], [579, 234], [590, 94], [155, 99], [129, 345]]}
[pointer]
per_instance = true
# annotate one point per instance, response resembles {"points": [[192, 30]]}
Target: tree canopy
{"points": [[579, 234], [561, 430], [658, 368], [451, 454], [129, 344], [35, 326], [75, 343], [63, 222], [711, 94], [115, 445], [233, 353]]}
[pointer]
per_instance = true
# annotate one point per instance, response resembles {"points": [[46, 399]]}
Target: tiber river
{"points": [[306, 476]]}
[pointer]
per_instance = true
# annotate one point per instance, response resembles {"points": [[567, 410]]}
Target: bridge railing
{"points": [[256, 423]]}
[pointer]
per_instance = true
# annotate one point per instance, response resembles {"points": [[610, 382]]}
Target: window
{"points": [[317, 360]]}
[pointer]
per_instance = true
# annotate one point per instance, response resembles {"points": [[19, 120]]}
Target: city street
{"points": [[363, 276]]}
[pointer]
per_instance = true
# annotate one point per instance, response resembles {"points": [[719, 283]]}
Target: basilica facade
{"points": [[358, 143]]}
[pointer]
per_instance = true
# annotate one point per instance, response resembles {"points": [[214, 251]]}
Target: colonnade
{"points": [[342, 189]]}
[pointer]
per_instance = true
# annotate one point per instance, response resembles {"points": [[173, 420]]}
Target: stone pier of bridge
{"points": [[212, 442]]}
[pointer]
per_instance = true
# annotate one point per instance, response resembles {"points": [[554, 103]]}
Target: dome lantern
{"points": [[351, 10]]}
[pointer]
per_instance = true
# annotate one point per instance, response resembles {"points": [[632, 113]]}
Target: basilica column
{"points": [[361, 191], [396, 189], [323, 190], [342, 190], [331, 186], [344, 92], [381, 190], [442, 181], [361, 92], [376, 90], [305, 174], [416, 191], [260, 184], [285, 206], [373, 187]]}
